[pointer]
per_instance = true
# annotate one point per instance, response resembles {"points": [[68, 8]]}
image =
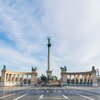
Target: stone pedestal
{"points": [[94, 79], [49, 74], [3, 77], [34, 78], [63, 78]]}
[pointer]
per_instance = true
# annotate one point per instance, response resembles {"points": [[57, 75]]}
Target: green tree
{"points": [[43, 77]]}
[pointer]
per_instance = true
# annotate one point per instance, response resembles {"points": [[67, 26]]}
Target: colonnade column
{"points": [[18, 78], [10, 78], [86, 79], [82, 79], [70, 79], [22, 78], [74, 79], [66, 78], [6, 78], [27, 79], [78, 79], [14, 78]]}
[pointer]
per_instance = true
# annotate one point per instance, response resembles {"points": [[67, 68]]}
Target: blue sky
{"points": [[74, 26]]}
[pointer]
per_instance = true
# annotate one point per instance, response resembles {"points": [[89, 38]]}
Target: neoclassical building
{"points": [[10, 78], [78, 78]]}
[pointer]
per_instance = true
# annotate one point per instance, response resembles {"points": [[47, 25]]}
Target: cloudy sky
{"points": [[74, 27]]}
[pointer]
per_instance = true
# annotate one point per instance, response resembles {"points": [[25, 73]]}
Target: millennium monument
{"points": [[49, 72], [11, 78]]}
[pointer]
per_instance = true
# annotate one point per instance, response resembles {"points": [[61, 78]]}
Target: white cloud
{"points": [[73, 26]]}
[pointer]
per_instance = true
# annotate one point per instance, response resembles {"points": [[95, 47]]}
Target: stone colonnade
{"points": [[79, 78], [9, 78]]}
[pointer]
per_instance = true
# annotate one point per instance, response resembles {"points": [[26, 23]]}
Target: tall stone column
{"points": [[49, 73]]}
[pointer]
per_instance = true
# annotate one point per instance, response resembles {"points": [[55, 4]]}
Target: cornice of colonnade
{"points": [[6, 71], [74, 73], [13, 72], [77, 73]]}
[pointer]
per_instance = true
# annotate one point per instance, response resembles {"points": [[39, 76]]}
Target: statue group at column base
{"points": [[49, 74]]}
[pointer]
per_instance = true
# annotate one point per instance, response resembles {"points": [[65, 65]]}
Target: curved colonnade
{"points": [[79, 78], [18, 78]]}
